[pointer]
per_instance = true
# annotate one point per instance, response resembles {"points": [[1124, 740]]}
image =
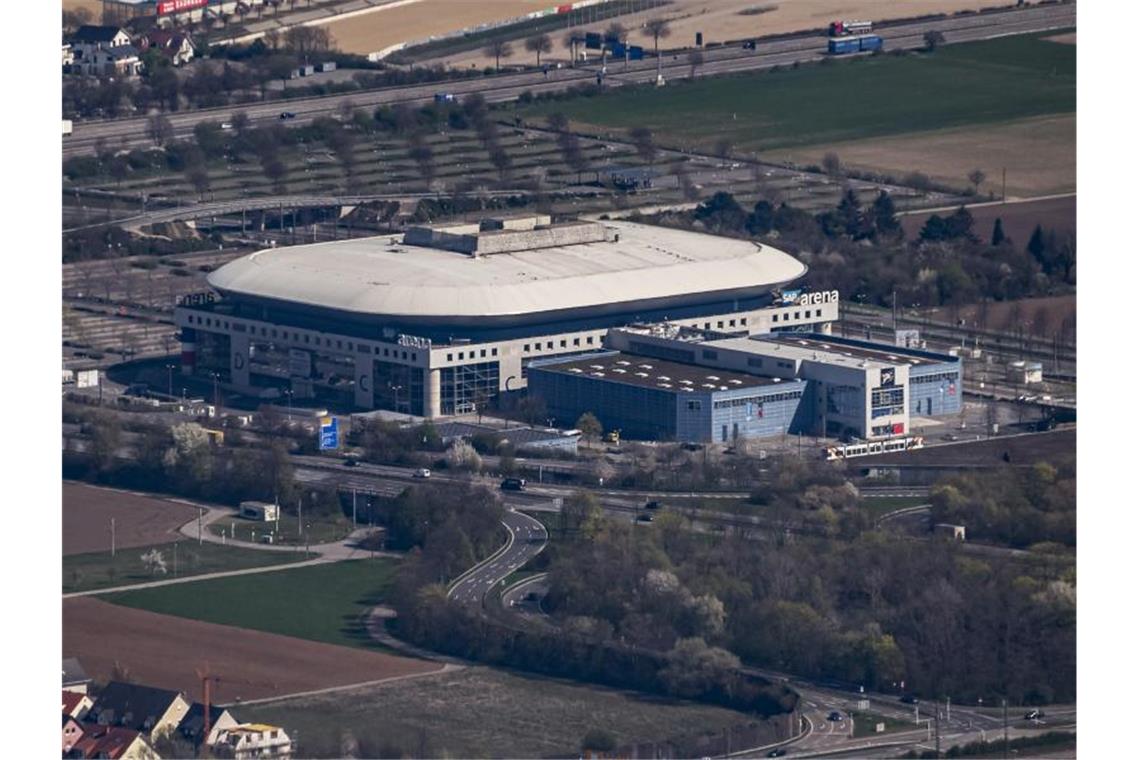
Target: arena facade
{"points": [[445, 318]]}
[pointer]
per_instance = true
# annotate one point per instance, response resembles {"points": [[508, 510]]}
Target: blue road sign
{"points": [[329, 435]]}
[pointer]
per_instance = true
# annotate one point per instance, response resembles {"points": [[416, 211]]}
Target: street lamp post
{"points": [[170, 380]]}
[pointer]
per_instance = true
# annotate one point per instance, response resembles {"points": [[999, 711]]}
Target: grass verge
{"points": [[866, 724], [320, 602], [95, 570]]}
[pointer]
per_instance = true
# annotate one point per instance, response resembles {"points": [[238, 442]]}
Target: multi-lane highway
{"points": [[132, 131]]}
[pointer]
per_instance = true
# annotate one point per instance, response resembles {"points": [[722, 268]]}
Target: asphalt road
{"points": [[131, 132], [526, 538]]}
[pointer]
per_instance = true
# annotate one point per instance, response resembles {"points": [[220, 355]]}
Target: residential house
{"points": [[253, 740], [174, 46], [193, 724], [75, 678], [140, 708], [87, 39], [112, 743], [76, 705], [72, 733]]}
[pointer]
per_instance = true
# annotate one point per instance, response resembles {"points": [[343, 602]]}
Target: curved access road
{"points": [[526, 537]]}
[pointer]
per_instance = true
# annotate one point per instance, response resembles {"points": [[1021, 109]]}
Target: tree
{"points": [[557, 121], [598, 740], [659, 29], [642, 138], [539, 44], [696, 668], [998, 236], [723, 147], [159, 129], [883, 215], [695, 58], [154, 562], [976, 177], [306, 40], [832, 165], [462, 456], [499, 49], [933, 39], [721, 213], [570, 41], [1036, 245], [590, 426]]}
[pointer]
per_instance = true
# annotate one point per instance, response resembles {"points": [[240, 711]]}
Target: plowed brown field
{"points": [[139, 520], [164, 651]]}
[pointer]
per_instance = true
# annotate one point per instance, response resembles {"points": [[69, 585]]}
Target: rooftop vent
{"points": [[664, 385], [618, 370], [709, 386], [623, 362], [686, 382], [686, 389], [598, 374], [645, 366], [664, 377], [596, 366], [734, 381], [641, 374], [712, 377], [575, 370]]}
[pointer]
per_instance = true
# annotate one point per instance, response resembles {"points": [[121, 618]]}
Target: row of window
{"points": [[937, 377], [471, 354], [886, 397], [306, 338], [787, 314], [758, 400], [577, 342], [885, 411]]}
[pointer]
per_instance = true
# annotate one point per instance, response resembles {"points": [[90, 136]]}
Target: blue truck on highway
{"points": [[861, 44]]}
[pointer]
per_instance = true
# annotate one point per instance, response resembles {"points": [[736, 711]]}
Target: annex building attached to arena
{"points": [[443, 319]]}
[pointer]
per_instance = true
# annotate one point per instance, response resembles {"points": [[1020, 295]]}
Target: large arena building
{"points": [[443, 319]]}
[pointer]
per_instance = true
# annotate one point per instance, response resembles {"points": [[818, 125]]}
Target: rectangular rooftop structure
{"points": [[507, 234], [649, 372]]}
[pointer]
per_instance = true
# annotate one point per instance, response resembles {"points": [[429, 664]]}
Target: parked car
{"points": [[908, 699], [652, 505], [645, 518], [444, 97], [835, 715], [350, 461], [422, 472], [778, 752], [288, 115]]}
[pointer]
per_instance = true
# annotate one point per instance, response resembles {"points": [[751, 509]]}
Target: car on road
{"points": [[444, 97], [513, 484], [422, 472], [1034, 715], [227, 125], [835, 715], [908, 699], [778, 752], [285, 115], [645, 518], [350, 461], [652, 505]]}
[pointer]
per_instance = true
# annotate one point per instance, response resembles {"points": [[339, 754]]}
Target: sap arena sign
{"points": [[797, 298]]}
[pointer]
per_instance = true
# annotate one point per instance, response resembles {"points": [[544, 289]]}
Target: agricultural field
{"points": [[480, 712], [140, 520], [95, 570], [989, 82], [251, 664], [322, 603], [947, 156], [1017, 219]]}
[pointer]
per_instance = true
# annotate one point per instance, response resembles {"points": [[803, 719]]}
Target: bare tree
{"points": [[933, 39], [642, 138], [570, 42], [832, 165], [499, 49], [976, 177], [159, 129], [539, 44], [659, 29]]}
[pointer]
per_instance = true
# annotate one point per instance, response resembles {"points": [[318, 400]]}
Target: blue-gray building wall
{"points": [[638, 412], [936, 389], [756, 412]]}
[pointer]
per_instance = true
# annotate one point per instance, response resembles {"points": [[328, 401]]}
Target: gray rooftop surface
{"points": [[382, 275], [648, 372], [886, 354]]}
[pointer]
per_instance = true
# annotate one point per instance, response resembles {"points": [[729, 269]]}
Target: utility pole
{"points": [[937, 731], [199, 526], [354, 509], [1005, 727], [1003, 184], [298, 517], [112, 536]]}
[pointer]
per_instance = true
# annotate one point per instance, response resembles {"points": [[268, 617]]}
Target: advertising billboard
{"points": [[178, 6]]}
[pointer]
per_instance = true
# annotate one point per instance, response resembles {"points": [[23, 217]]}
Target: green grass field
{"points": [[322, 529], [971, 83], [319, 603], [865, 724], [84, 572]]}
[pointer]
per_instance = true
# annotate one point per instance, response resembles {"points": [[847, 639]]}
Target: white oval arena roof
{"points": [[375, 276]]}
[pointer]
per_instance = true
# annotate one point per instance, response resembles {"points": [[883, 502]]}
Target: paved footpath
{"points": [[337, 551]]}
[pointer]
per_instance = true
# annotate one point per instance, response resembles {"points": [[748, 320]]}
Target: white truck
{"points": [[66, 127]]}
